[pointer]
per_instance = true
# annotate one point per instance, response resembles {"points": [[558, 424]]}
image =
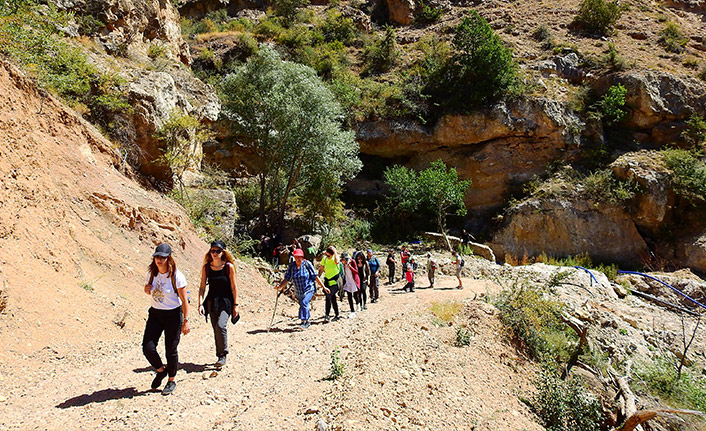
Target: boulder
{"points": [[496, 148], [561, 226], [401, 12], [197, 9], [691, 251], [134, 24], [567, 67], [698, 6]]}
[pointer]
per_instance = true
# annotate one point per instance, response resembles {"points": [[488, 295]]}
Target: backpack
{"points": [[463, 263]]}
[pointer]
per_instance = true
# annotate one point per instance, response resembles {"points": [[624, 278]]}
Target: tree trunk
{"points": [[293, 175], [261, 210]]}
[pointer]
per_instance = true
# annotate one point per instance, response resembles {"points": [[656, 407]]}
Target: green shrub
{"points": [[269, 26], [583, 260], [536, 320], [695, 132], [603, 186], [544, 34], [383, 53], [691, 62], [288, 8], [89, 24], [429, 14], [482, 71], [336, 367], [566, 405], [611, 105], [672, 39], [612, 59], [702, 74], [660, 378], [445, 311], [463, 336], [336, 27], [296, 36], [327, 59], [238, 25], [157, 50], [597, 16], [688, 175]]}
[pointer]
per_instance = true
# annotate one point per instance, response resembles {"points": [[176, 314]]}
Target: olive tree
{"points": [[286, 115]]}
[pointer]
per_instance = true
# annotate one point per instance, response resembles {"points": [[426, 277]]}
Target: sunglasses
{"points": [[216, 251]]}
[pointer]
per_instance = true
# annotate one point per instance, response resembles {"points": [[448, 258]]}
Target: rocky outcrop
{"points": [[196, 9], [654, 204], [219, 211], [401, 12], [495, 148], [563, 226], [691, 251], [698, 6], [134, 24], [660, 102]]}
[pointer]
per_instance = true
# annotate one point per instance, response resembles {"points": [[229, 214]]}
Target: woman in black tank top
{"points": [[221, 303]]}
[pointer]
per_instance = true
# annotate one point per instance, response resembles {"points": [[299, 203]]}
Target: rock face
{"points": [[219, 210], [134, 24], [495, 148], [692, 251], [196, 9], [660, 102], [401, 12], [568, 226]]}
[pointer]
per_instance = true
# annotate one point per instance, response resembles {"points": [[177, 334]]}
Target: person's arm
{"points": [[231, 273], [148, 286], [202, 291], [185, 328], [287, 277]]}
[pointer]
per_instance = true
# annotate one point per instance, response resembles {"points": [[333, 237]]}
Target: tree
{"points": [[480, 72], [597, 16], [287, 116], [418, 199], [182, 137]]}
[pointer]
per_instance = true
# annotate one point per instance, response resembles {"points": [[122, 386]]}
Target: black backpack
{"points": [[463, 263]]}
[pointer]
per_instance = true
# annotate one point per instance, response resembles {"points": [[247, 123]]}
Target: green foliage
{"points": [[536, 320], [597, 16], [86, 285], [481, 72], [292, 122], [544, 34], [197, 206], [566, 405], [613, 60], [429, 14], [610, 106], [32, 37], [89, 24], [702, 74], [672, 38], [603, 186], [327, 59], [583, 260], [336, 27], [383, 53], [417, 200], [12, 7], [688, 391], [695, 132], [463, 336], [157, 50], [180, 137], [688, 176], [288, 8], [337, 367]]}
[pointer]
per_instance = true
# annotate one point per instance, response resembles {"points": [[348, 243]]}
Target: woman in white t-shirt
{"points": [[168, 314]]}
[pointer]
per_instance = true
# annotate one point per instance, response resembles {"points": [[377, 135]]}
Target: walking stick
{"points": [[275, 310]]}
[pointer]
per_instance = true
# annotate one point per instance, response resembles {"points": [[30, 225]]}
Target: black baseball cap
{"points": [[219, 244], [162, 250]]}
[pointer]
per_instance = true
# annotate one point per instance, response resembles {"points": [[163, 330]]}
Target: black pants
{"points": [[355, 295], [331, 300], [391, 275], [169, 322], [363, 292]]}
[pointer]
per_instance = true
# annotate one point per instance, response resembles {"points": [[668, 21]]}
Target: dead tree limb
{"points": [[582, 331], [644, 415]]}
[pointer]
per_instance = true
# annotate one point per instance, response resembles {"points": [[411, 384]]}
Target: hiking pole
{"points": [[275, 310]]}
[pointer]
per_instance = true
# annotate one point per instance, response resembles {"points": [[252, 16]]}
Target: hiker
{"points": [[351, 281], [459, 264], [330, 267], [168, 314], [431, 269], [364, 276], [409, 275], [310, 251], [374, 265], [390, 267], [276, 253], [221, 303], [466, 238], [404, 256], [302, 273]]}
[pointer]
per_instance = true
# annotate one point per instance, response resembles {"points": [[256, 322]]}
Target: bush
{"points": [[612, 59], [429, 14], [702, 74], [597, 16], [688, 175], [583, 260], [611, 105], [566, 405], [603, 186], [336, 27], [288, 8], [481, 72], [672, 39], [445, 311], [660, 377], [383, 53], [695, 132], [463, 336], [544, 34], [336, 368], [157, 50]]}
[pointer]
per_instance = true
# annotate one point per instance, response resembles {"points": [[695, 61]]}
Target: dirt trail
{"points": [[401, 371]]}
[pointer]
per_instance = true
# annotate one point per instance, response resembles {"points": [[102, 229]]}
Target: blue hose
{"points": [[671, 287], [593, 277]]}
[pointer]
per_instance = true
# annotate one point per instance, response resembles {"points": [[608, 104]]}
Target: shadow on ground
{"points": [[102, 396]]}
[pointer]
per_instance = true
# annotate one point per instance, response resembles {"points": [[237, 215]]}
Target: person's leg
{"points": [[363, 295], [220, 327], [373, 289], [411, 285], [150, 339], [350, 301], [172, 335], [431, 277], [458, 276], [334, 300], [392, 273], [304, 301]]}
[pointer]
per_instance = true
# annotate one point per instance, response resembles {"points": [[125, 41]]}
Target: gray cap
{"points": [[345, 255], [162, 250]]}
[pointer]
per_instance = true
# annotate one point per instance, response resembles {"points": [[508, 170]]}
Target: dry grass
{"points": [[446, 311]]}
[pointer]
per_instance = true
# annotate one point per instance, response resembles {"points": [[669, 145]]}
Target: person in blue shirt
{"points": [[374, 265], [302, 273]]}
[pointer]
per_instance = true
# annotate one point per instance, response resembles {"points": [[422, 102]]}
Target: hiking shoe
{"points": [[305, 324], [352, 315], [365, 306], [221, 361], [411, 290], [157, 382], [327, 319], [335, 318], [169, 388]]}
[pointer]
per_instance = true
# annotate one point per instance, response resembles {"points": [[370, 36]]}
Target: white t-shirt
{"points": [[164, 297]]}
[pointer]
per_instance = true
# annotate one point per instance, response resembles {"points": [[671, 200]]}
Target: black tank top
{"points": [[218, 283]]}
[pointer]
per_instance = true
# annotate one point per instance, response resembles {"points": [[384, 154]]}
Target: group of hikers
{"points": [[356, 277]]}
